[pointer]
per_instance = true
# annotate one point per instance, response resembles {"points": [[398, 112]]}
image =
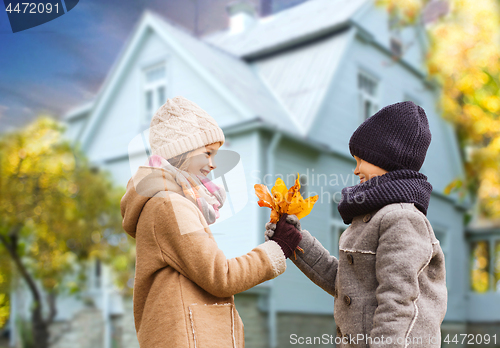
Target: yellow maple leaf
{"points": [[279, 192], [282, 200]]}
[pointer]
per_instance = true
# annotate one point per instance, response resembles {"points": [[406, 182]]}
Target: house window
{"points": [[368, 95], [155, 87], [496, 266], [337, 227], [485, 264], [479, 266]]}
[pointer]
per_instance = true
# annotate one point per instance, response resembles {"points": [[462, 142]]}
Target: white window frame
{"points": [[153, 87], [367, 97]]}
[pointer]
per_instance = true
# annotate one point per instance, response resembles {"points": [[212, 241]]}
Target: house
{"points": [[288, 90]]}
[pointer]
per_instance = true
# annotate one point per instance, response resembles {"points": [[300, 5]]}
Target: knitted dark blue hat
{"points": [[396, 137]]}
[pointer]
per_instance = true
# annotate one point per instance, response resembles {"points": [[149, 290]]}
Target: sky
{"points": [[61, 64]]}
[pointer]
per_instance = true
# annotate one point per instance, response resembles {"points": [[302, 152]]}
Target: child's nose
{"points": [[212, 163]]}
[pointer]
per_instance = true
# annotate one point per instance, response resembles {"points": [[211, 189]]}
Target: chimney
{"points": [[266, 7], [242, 15]]}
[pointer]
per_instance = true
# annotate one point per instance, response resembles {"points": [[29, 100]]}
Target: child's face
{"points": [[366, 170], [202, 159]]}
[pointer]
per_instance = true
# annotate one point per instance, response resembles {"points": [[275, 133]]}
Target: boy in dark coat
{"points": [[389, 281]]}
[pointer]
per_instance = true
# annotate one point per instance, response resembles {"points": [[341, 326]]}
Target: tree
{"points": [[464, 58], [4, 290], [56, 211]]}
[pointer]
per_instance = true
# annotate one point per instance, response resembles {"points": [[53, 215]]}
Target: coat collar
{"points": [[146, 183]]}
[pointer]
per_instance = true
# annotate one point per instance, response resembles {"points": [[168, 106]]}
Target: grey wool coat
{"points": [[389, 281]]}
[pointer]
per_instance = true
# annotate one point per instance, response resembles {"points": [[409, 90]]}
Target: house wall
{"points": [[237, 231], [296, 293], [255, 321], [447, 222], [307, 330]]}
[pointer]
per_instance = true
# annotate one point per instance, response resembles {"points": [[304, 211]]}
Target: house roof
{"points": [[300, 78], [228, 74], [79, 111], [284, 95], [240, 79], [298, 24]]}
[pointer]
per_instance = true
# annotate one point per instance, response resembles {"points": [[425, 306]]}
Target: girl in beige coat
{"points": [[184, 285]]}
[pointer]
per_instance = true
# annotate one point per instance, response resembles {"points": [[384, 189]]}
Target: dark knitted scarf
{"points": [[398, 186]]}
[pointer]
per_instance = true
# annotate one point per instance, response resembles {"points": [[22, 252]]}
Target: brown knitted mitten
{"points": [[287, 236]]}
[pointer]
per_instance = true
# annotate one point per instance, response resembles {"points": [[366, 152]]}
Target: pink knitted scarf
{"points": [[197, 188]]}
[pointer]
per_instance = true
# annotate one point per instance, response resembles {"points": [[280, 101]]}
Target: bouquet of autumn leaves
{"points": [[282, 200]]}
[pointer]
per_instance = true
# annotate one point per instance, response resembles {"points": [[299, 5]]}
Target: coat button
{"points": [[339, 333], [350, 259], [367, 217], [347, 300]]}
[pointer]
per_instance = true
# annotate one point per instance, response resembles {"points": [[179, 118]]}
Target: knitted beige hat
{"points": [[180, 126]]}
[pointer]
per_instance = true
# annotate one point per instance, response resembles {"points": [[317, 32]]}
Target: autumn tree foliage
{"points": [[464, 58], [56, 212]]}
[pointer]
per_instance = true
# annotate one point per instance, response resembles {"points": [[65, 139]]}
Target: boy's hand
{"points": [[286, 233], [270, 227]]}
